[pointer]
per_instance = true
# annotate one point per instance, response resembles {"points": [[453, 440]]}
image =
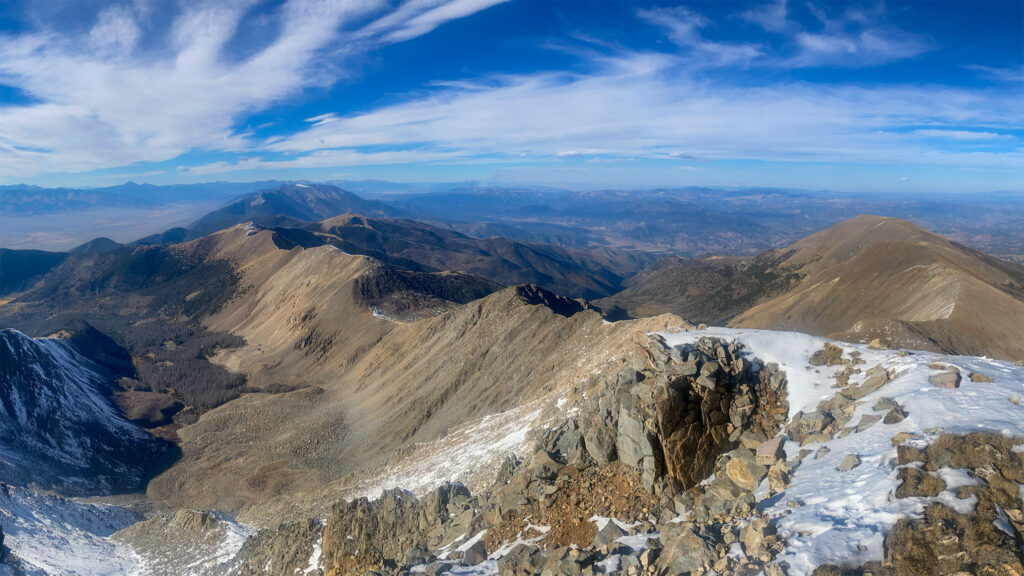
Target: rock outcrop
{"points": [[670, 412]]}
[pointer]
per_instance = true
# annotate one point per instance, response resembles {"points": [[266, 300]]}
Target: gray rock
{"points": [[475, 554], [894, 416], [850, 461], [684, 550], [948, 379], [867, 421], [876, 378], [770, 451], [608, 535]]}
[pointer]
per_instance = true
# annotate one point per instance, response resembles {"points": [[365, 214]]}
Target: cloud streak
{"points": [[111, 106]]}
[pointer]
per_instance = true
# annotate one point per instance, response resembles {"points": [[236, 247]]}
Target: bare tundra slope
{"points": [[868, 277], [369, 375], [872, 277]]}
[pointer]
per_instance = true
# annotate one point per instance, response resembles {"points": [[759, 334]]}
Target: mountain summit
{"points": [[873, 277]]}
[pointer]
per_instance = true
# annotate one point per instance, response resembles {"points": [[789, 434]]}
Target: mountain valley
{"points": [[340, 393]]}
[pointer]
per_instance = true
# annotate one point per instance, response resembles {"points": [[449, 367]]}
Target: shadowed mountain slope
{"points": [[59, 427], [587, 273]]}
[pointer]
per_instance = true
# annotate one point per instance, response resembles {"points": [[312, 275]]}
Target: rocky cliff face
{"points": [[671, 411]]}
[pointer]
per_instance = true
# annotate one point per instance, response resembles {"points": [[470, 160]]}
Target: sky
{"points": [[924, 96]]}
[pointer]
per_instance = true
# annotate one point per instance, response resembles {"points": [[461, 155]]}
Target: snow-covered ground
{"points": [[56, 536], [470, 454], [845, 515]]}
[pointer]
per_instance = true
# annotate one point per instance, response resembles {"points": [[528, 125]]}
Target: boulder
{"points": [[770, 451], [979, 377], [743, 470], [895, 415], [875, 378], [475, 554], [684, 550], [949, 379]]}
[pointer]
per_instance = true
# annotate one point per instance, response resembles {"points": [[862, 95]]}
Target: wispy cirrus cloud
{"points": [[646, 105], [683, 26], [853, 38], [113, 105]]}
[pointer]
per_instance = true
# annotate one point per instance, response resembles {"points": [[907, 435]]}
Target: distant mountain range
{"points": [[25, 199], [686, 222]]}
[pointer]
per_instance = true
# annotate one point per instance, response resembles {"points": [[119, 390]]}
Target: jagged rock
{"points": [[544, 467], [671, 412], [875, 378], [280, 551], [948, 379], [522, 560], [194, 520], [364, 532], [778, 477], [850, 461], [809, 424], [508, 467], [770, 451], [756, 536], [885, 403], [634, 446], [608, 535], [830, 355], [822, 452], [900, 438], [564, 443], [684, 550], [895, 415], [979, 377], [475, 554], [743, 470]]}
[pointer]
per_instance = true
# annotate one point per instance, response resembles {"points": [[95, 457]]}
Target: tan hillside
{"points": [[872, 277], [351, 387]]}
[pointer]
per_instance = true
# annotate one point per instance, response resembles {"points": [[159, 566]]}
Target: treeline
{"points": [[150, 300]]}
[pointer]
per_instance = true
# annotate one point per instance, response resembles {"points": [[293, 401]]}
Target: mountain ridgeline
{"points": [[302, 389]]}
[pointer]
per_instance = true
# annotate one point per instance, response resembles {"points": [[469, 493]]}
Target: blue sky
{"points": [[895, 96]]}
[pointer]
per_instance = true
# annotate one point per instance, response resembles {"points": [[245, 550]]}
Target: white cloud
{"points": [[646, 105], [114, 107], [115, 33], [1001, 74], [865, 48], [962, 135], [771, 16], [683, 25]]}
